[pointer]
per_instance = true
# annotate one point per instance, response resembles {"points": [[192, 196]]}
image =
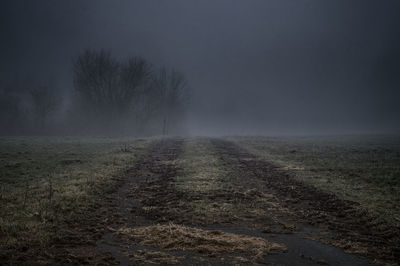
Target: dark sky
{"points": [[255, 66]]}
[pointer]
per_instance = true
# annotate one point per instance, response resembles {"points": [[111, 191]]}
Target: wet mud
{"points": [[152, 199], [334, 221], [279, 221]]}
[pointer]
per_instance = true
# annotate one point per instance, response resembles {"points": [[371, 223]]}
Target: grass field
{"points": [[75, 191], [364, 169], [46, 181]]}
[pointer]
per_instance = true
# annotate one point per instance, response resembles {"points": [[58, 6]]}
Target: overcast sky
{"points": [[254, 66]]}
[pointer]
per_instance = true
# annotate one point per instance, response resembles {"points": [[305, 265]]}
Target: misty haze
{"points": [[186, 132]]}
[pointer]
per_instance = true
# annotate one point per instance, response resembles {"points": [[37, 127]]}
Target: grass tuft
{"points": [[178, 237]]}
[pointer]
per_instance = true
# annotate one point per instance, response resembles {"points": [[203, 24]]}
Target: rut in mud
{"points": [[337, 222], [151, 172], [159, 224], [250, 213], [162, 224]]}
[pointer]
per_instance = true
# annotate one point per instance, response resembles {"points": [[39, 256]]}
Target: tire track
{"points": [[340, 223], [157, 165]]}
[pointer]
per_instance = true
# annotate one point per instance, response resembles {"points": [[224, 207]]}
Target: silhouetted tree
{"points": [[96, 78], [128, 94], [171, 87], [134, 77], [104, 84]]}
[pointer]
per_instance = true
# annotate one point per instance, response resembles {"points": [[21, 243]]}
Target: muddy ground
{"points": [[262, 217]]}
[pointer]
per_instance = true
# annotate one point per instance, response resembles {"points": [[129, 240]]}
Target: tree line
{"points": [[108, 97]]}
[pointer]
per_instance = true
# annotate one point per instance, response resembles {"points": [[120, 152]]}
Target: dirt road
{"points": [[251, 213], [285, 213]]}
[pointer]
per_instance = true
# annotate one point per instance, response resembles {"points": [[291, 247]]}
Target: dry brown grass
{"points": [[202, 169], [362, 169], [153, 257], [47, 181], [211, 242]]}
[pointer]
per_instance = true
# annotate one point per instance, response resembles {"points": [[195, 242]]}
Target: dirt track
{"points": [[291, 213], [331, 220], [148, 220]]}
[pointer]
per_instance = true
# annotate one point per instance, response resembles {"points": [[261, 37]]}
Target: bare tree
{"points": [[127, 92], [96, 80], [172, 89], [106, 85], [134, 77]]}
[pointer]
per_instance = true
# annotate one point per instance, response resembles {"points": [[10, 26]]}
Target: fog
{"points": [[250, 67]]}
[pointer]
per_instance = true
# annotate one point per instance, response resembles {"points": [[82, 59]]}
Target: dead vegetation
{"points": [[46, 183], [344, 224], [207, 184], [211, 242], [200, 168], [363, 169], [147, 257]]}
